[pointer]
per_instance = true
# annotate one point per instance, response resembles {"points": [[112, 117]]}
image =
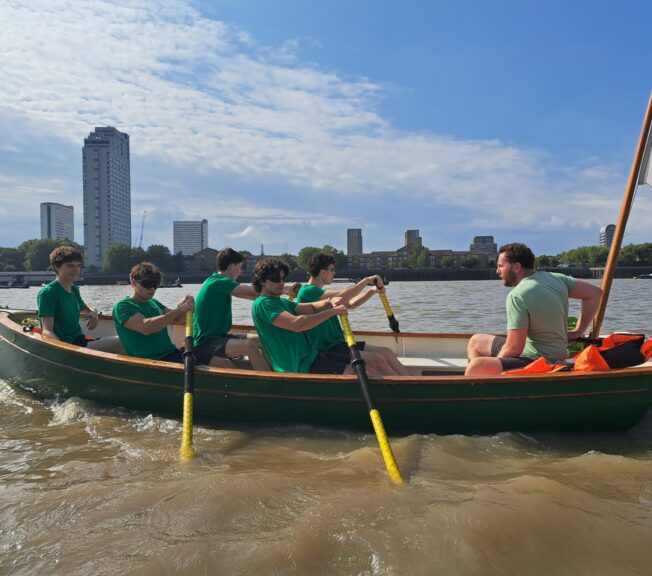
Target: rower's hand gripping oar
{"points": [[187, 451], [359, 366], [393, 322]]}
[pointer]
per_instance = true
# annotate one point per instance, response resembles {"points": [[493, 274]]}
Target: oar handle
{"points": [[189, 322], [187, 451], [359, 366], [348, 333]]}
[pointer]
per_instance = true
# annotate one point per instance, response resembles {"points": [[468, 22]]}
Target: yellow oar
{"points": [[393, 322], [187, 451], [359, 367]]}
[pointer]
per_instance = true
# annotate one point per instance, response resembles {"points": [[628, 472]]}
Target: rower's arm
{"points": [[353, 291], [310, 308], [245, 291], [362, 298], [590, 295], [146, 326], [47, 327], [293, 323], [514, 344]]}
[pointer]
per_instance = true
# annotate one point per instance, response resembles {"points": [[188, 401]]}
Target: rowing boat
{"points": [[437, 397]]}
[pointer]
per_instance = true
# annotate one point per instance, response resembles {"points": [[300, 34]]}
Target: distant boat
{"points": [[643, 277], [172, 284], [13, 283]]}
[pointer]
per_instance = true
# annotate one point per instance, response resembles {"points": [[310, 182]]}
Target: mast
{"points": [[625, 208]]}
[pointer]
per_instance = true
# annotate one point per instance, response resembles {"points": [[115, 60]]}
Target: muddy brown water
{"points": [[88, 489]]}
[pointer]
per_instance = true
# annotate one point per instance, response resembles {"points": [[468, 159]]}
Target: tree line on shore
{"points": [[33, 255]]}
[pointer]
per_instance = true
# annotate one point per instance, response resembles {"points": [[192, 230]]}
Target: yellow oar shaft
{"points": [[388, 308], [187, 451], [379, 429], [393, 322]]}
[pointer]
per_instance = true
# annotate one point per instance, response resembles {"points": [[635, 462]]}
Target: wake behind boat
{"points": [[437, 397]]}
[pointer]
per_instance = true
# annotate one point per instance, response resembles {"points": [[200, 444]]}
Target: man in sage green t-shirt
{"points": [[537, 314], [141, 321]]}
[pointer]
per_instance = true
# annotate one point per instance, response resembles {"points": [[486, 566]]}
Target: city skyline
{"points": [[284, 124]]}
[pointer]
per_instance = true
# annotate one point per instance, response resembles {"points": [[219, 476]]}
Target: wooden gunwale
{"points": [[111, 358]]}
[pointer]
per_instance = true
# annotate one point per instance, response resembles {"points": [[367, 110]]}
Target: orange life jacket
{"points": [[615, 351]]}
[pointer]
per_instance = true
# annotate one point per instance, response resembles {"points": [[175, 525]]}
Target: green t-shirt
{"points": [[539, 303], [287, 351], [64, 307], [213, 317], [327, 334], [153, 346]]}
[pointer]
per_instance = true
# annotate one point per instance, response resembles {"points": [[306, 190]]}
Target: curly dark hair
{"points": [[228, 256], [520, 253], [268, 269], [64, 254], [146, 272], [319, 261]]}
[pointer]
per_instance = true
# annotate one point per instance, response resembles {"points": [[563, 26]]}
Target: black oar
{"points": [[359, 366], [187, 451], [393, 322]]}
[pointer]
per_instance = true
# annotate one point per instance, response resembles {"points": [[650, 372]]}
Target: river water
{"points": [[86, 489]]}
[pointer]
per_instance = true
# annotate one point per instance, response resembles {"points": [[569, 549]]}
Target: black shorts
{"points": [[508, 363], [213, 347], [329, 363], [81, 341], [343, 348], [174, 356]]}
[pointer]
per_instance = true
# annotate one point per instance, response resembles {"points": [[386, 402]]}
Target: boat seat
{"points": [[433, 366]]}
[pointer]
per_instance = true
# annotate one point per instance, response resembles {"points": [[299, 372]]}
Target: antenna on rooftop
{"points": [[142, 227]]}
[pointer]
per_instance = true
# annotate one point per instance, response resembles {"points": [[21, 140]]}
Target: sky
{"points": [[284, 123]]}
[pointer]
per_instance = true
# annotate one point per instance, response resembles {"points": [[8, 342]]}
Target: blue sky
{"points": [[284, 123]]}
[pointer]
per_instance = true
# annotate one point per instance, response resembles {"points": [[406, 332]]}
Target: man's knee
{"points": [[483, 366], [479, 345]]}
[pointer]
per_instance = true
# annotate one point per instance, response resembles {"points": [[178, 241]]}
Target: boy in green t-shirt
{"points": [[214, 344], [283, 325], [328, 336], [60, 303], [141, 321]]}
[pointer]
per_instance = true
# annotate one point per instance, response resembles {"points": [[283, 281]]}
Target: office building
{"points": [[485, 245], [107, 192], [57, 222], [412, 238], [607, 235], [189, 237], [353, 242]]}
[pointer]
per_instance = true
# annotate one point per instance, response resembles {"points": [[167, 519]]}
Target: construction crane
{"points": [[142, 227]]}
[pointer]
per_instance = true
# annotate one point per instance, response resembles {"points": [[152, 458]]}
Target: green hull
{"points": [[442, 404]]}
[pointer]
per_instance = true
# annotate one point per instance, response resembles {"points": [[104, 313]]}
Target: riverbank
{"points": [[391, 275]]}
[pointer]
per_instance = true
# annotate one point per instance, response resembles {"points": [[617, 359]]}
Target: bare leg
{"points": [[484, 367], [392, 360], [248, 347], [376, 364], [480, 346], [217, 362], [107, 344]]}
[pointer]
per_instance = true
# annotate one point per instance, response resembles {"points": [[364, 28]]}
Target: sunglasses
{"points": [[277, 278], [148, 283]]}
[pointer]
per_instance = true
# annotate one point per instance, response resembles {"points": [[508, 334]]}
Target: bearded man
{"points": [[537, 315]]}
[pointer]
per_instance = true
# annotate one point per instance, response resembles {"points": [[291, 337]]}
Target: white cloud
{"points": [[202, 95]]}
